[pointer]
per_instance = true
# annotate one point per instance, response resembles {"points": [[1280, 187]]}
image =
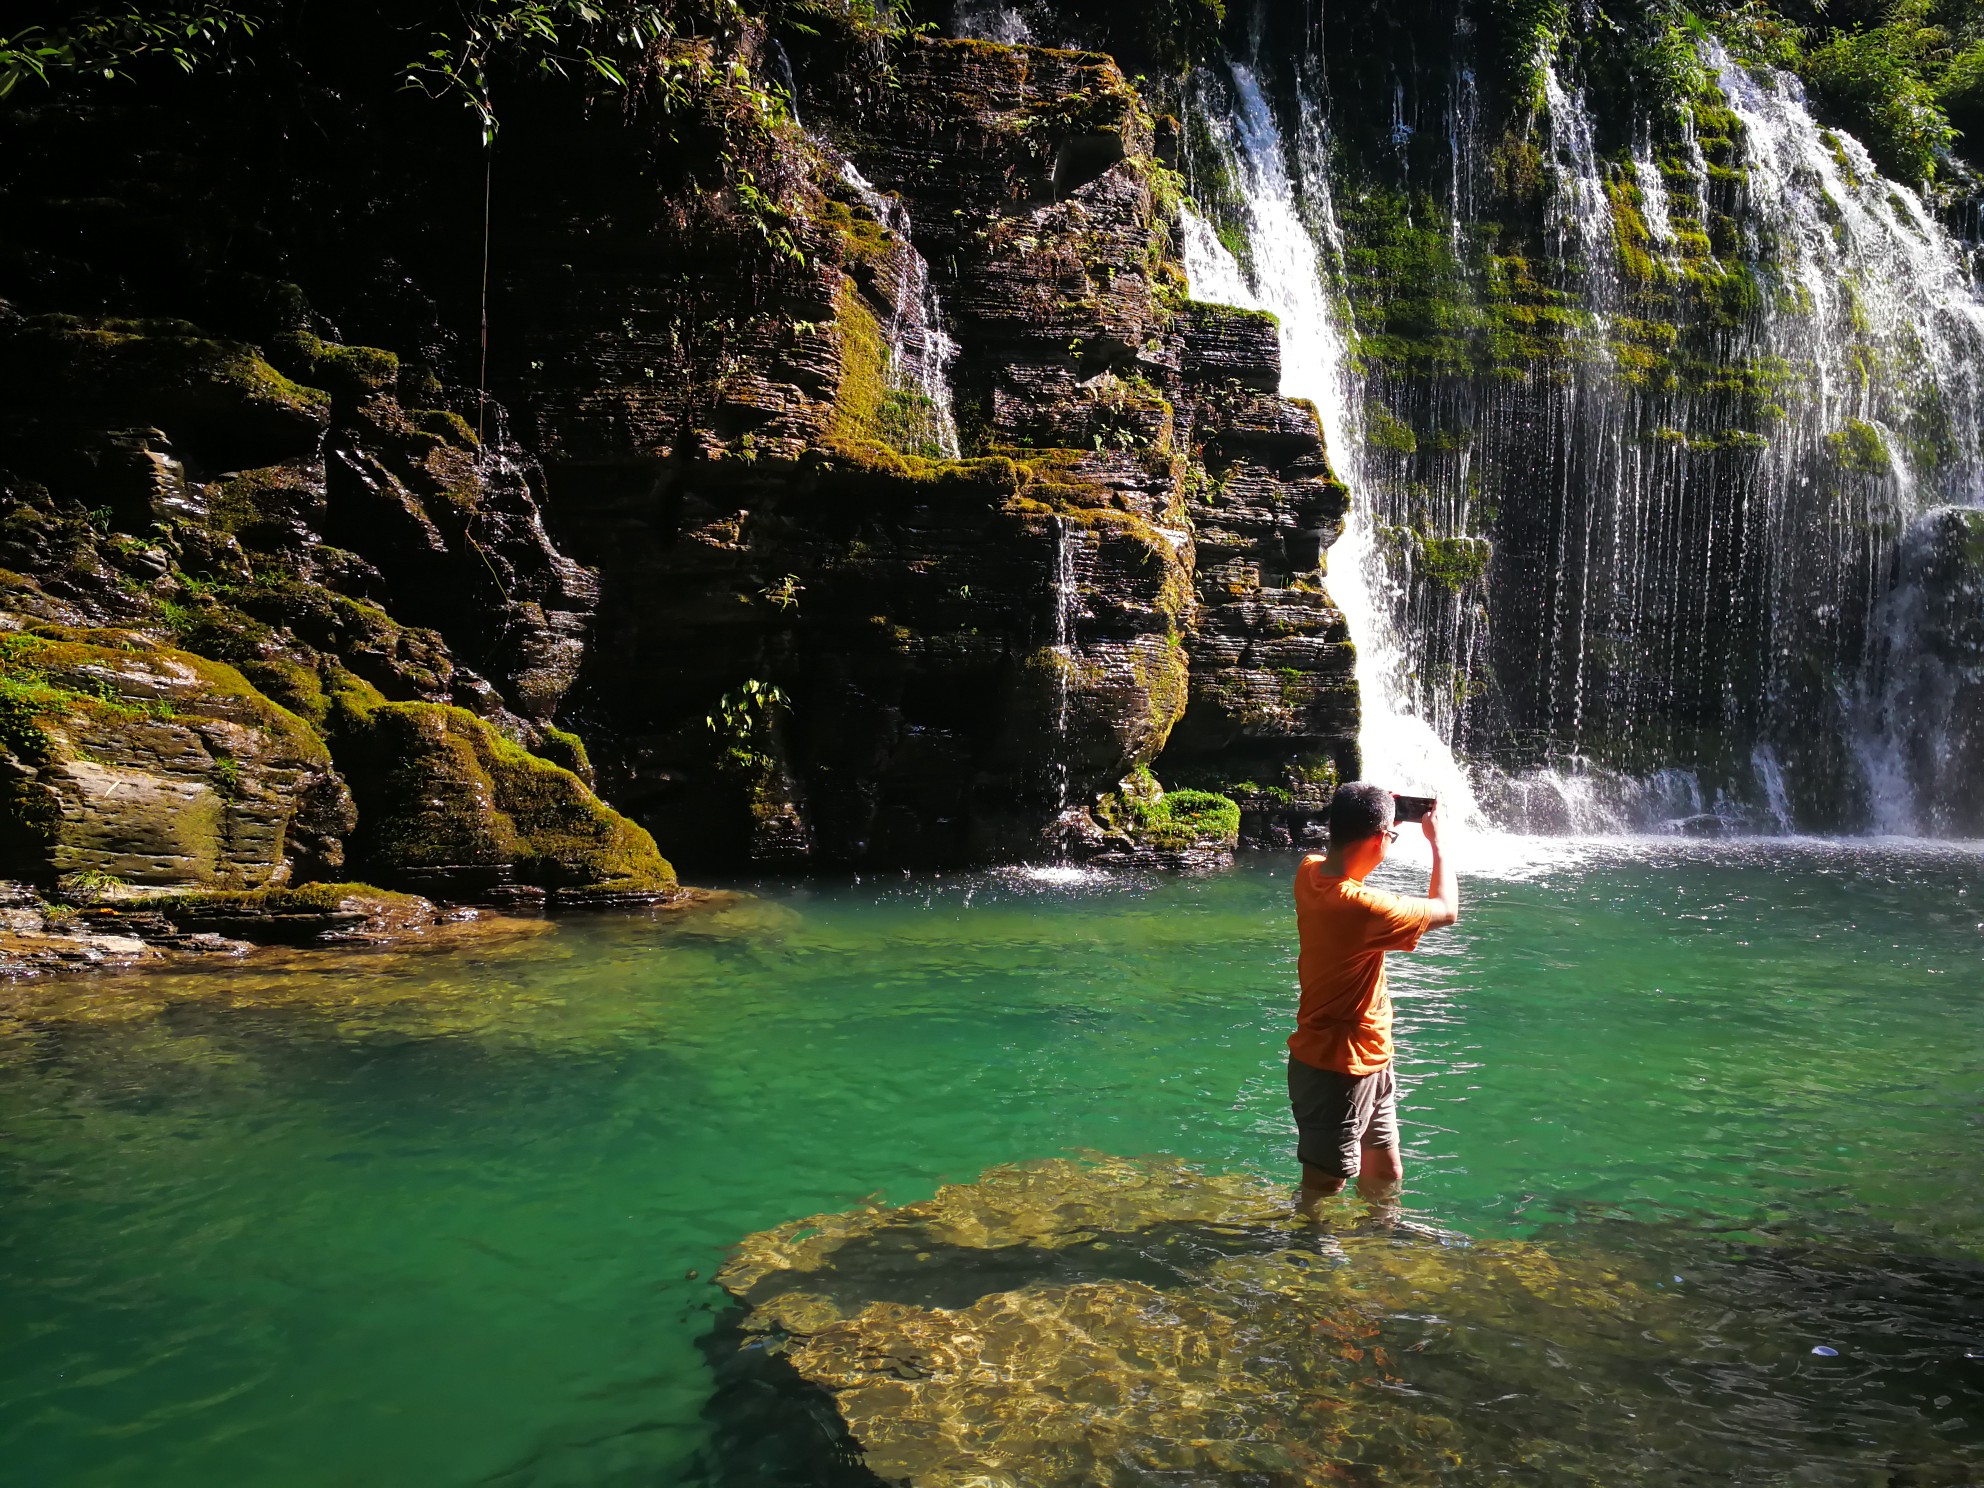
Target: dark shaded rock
{"points": [[1931, 708], [222, 400]]}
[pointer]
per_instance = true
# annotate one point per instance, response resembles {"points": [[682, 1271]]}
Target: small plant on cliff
{"points": [[741, 726], [87, 884], [783, 593]]}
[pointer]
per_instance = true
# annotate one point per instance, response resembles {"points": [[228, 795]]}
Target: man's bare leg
{"points": [[1317, 1185], [1378, 1174], [1316, 1181]]}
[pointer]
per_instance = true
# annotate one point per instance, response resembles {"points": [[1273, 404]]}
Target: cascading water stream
{"points": [[1063, 652], [920, 353], [1287, 277], [1704, 629]]}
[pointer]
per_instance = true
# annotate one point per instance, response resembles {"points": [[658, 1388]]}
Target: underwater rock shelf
{"points": [[1103, 1321]]}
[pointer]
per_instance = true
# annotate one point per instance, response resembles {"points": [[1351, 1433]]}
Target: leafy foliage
{"points": [[106, 40], [552, 38], [741, 726]]}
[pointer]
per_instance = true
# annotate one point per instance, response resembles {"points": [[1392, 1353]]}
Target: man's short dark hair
{"points": [[1359, 810]]}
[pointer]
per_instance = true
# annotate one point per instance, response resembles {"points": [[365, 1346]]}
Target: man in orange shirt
{"points": [[1340, 1055]]}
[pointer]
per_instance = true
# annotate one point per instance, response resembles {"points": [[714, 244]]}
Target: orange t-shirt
{"points": [[1345, 1020]]}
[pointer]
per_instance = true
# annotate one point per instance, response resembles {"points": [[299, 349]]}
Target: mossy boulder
{"points": [[1179, 824], [447, 802], [136, 762], [215, 396]]}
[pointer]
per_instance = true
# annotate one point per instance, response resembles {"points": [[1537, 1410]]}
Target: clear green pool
{"points": [[449, 1219]]}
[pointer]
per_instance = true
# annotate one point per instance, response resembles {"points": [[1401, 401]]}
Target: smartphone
{"points": [[1412, 808]]}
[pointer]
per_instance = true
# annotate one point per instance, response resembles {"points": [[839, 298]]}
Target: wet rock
{"points": [[1108, 1321]]}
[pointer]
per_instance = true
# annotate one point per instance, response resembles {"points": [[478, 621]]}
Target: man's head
{"points": [[1361, 822]]}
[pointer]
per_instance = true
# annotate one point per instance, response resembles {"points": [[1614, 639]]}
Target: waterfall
{"points": [[1891, 328], [1063, 652], [1763, 394], [1580, 209], [989, 20], [1734, 573], [920, 353], [1288, 277], [1924, 748]]}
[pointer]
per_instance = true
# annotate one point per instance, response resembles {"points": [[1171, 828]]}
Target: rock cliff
{"points": [[848, 468]]}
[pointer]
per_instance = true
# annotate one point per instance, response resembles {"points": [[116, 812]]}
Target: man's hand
{"points": [[1441, 885]]}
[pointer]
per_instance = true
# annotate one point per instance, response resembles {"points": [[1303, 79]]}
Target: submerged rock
{"points": [[1114, 1322]]}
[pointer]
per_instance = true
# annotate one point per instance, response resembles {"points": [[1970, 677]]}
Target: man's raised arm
{"points": [[1441, 887]]}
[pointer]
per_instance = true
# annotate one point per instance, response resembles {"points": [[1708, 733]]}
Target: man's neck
{"points": [[1334, 867]]}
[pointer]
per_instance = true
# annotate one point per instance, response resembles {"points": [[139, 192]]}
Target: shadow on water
{"points": [[768, 1427]]}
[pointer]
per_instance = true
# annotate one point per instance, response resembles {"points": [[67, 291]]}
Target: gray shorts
{"points": [[1337, 1115]]}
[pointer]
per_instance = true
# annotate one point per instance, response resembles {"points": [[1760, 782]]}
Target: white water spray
{"points": [[1063, 652]]}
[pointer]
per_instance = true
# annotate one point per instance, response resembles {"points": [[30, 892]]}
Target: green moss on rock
{"points": [[157, 766], [567, 751], [1858, 447], [168, 374], [439, 789]]}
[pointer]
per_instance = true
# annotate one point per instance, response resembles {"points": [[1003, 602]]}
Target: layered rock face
{"points": [[952, 660], [870, 490], [201, 683]]}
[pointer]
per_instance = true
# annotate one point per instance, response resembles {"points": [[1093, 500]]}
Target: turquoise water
{"points": [[449, 1219]]}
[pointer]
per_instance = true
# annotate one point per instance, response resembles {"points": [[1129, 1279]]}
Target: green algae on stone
{"points": [[321, 913], [156, 766], [438, 790], [1186, 818]]}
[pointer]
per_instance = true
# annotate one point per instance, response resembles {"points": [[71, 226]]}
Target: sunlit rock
{"points": [[1120, 1322]]}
